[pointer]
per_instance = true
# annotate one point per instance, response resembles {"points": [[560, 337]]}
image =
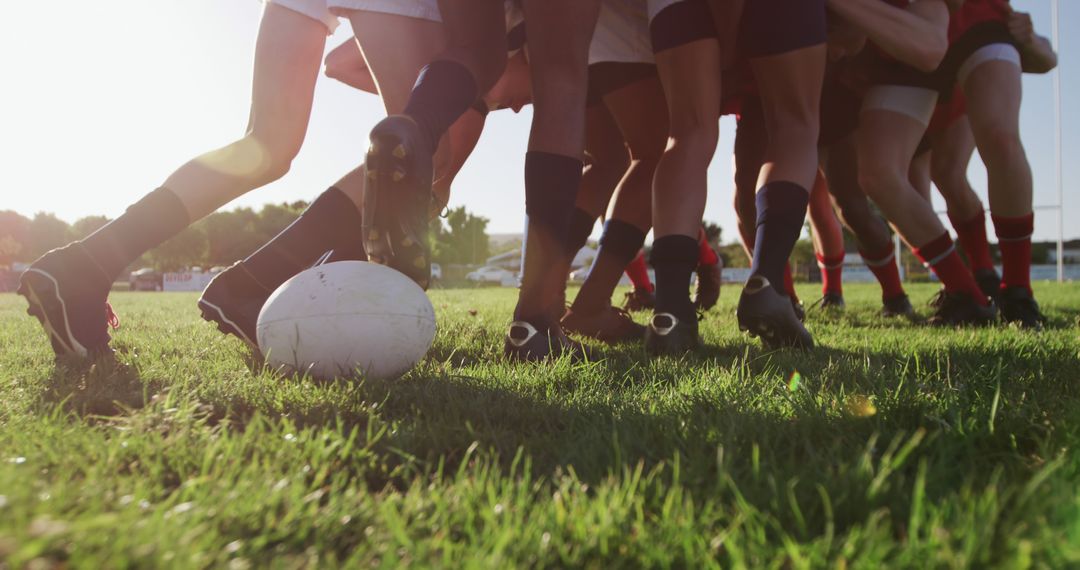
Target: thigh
{"points": [[919, 174], [288, 56], [559, 33], [691, 83], [994, 92], [790, 85], [952, 151], [395, 49], [606, 160], [886, 144], [474, 23], [751, 140], [634, 109]]}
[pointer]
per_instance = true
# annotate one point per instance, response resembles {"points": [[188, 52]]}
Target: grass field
{"points": [[890, 445]]}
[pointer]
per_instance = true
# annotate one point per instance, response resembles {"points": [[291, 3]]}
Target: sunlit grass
{"points": [[891, 445]]}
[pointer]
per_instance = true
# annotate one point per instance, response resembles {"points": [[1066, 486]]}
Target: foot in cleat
{"points": [[831, 302], [67, 293], [960, 308], [527, 343], [668, 335], [232, 301], [989, 282], [898, 306], [639, 300], [797, 306], [765, 313], [397, 198], [608, 325], [1018, 306], [707, 290]]}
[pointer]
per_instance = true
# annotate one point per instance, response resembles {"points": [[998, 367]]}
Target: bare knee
{"points": [[790, 139], [947, 171], [696, 140], [1001, 147], [879, 178], [273, 155]]}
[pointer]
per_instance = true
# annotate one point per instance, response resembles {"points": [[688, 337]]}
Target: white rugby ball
{"points": [[346, 317]]}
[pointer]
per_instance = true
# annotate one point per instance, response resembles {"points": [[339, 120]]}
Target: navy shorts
{"points": [[774, 27], [681, 23]]}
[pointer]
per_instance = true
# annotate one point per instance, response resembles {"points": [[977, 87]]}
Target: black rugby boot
{"points": [[68, 294], [526, 343], [397, 198], [639, 300], [668, 335], [898, 306], [959, 308], [1018, 306], [765, 313], [232, 301]]}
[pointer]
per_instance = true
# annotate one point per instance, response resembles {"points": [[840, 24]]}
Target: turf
{"points": [[892, 444]]}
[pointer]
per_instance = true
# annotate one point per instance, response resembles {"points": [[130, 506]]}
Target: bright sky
{"points": [[102, 100]]}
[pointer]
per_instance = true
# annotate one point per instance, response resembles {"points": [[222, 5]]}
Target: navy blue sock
{"points": [[145, 225], [619, 244], [331, 222], [674, 258], [781, 211], [578, 231], [551, 185], [442, 93]]}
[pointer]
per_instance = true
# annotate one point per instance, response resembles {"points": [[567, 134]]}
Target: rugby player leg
{"points": [[993, 90], [629, 216], [828, 240], [872, 234], [893, 122], [688, 60], [559, 33], [329, 230], [787, 56], [750, 138], [950, 155], [400, 162], [67, 288], [606, 161]]}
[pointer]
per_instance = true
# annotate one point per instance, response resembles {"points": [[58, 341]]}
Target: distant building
{"points": [[511, 260], [1070, 256]]}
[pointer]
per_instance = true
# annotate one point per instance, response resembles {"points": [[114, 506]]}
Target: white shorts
{"points": [[314, 9], [992, 52], [622, 33], [419, 9], [915, 102]]}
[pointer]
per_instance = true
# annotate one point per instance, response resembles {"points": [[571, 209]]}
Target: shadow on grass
{"points": [[980, 409], [103, 386]]}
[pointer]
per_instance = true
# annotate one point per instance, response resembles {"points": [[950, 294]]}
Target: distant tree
{"points": [[713, 233], [273, 218], [231, 235], [802, 255], [46, 232], [734, 255], [86, 226], [186, 249], [9, 250], [14, 237], [461, 238], [1040, 253]]}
